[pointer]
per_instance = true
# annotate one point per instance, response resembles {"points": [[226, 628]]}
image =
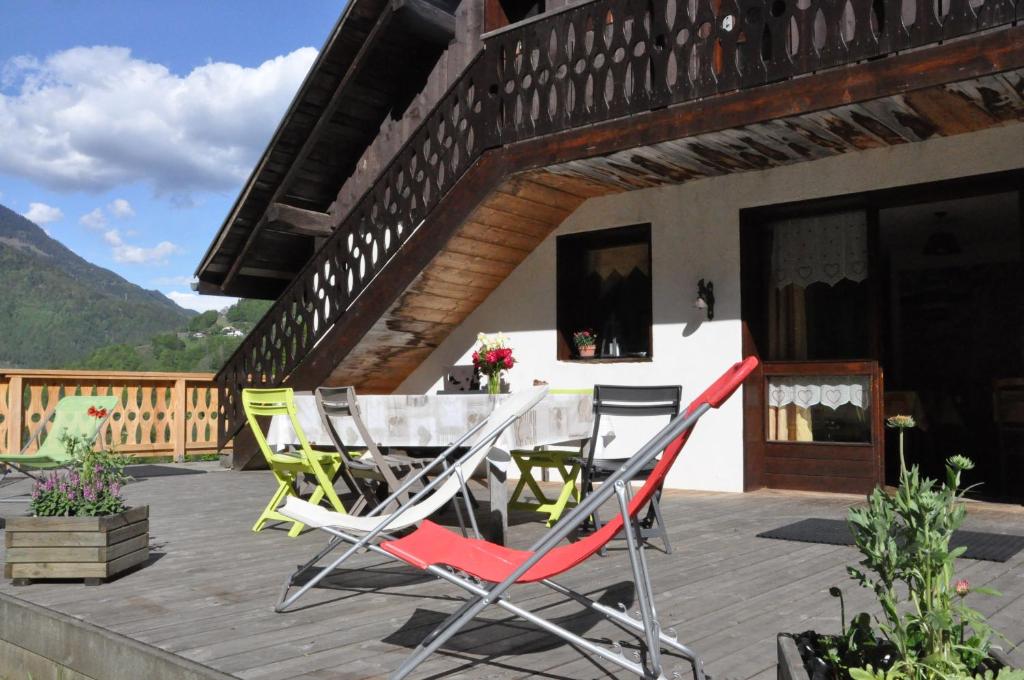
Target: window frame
{"points": [[569, 248]]}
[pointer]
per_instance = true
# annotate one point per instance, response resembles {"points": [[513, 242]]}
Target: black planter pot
{"points": [[791, 665]]}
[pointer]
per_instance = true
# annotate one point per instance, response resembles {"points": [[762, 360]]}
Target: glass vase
{"points": [[494, 383]]}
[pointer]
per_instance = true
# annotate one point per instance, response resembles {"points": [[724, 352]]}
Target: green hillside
{"points": [[204, 343], [57, 308]]}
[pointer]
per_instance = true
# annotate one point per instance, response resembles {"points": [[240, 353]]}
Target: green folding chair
{"points": [[566, 462], [321, 466], [71, 417]]}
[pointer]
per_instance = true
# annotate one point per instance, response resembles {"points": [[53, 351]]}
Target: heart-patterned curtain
{"points": [[827, 390], [822, 248]]}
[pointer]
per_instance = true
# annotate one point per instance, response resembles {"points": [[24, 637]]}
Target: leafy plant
{"points": [[90, 488], [908, 564]]}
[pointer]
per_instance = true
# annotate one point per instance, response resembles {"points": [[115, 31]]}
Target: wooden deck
{"points": [[206, 593]]}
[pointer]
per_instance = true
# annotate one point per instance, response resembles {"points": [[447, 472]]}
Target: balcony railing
{"points": [[158, 413], [589, 63]]}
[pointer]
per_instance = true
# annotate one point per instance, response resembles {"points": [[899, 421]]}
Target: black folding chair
{"points": [[629, 401]]}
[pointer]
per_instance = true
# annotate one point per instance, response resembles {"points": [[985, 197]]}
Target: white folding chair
{"points": [[362, 531]]}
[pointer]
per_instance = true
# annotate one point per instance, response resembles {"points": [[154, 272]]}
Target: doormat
{"points": [[981, 545]]}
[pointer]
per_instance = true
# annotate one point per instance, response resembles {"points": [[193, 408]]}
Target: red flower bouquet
{"points": [[491, 357]]}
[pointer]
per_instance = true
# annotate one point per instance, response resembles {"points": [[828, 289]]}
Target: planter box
{"points": [[791, 666], [90, 548]]}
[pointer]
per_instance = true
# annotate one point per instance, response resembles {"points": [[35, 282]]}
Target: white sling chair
{"points": [[432, 497]]}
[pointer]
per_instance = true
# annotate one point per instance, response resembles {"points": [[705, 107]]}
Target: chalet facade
{"points": [[848, 175]]}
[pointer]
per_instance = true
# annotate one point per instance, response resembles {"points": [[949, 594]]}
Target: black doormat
{"points": [[980, 545]]}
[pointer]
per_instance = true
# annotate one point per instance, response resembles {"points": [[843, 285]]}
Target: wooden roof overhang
{"points": [[492, 224], [374, 62]]}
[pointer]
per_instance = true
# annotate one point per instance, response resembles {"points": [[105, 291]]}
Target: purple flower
{"points": [[115, 489]]}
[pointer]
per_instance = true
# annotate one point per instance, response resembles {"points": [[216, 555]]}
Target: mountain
{"points": [[57, 308]]}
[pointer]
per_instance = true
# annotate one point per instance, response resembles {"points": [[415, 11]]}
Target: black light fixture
{"points": [[941, 241], [706, 298]]}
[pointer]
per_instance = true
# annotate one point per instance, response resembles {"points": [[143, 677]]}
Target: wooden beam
{"points": [[337, 97], [288, 219], [426, 20], [236, 266]]}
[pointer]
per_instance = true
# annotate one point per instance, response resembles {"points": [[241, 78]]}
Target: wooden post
{"points": [[15, 413], [180, 420]]}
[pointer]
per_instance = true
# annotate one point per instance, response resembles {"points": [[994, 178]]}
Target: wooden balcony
{"points": [[531, 117], [159, 414]]}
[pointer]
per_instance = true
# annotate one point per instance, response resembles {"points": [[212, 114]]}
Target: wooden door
{"points": [[823, 426], [814, 410]]}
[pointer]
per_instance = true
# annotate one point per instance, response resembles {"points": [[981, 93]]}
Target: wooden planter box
{"points": [[791, 666], [90, 548]]}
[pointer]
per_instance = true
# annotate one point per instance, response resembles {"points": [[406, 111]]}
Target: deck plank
{"points": [[207, 592]]}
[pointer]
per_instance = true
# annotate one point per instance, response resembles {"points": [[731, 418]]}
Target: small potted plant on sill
{"points": [[927, 631], [586, 343], [491, 358], [81, 526]]}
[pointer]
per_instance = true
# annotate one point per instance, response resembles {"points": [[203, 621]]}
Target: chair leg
{"points": [[658, 526], [290, 579], [569, 493], [627, 622], [481, 598], [635, 545], [284, 488]]}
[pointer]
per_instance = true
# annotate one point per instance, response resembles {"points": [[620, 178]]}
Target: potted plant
{"points": [[586, 342], [491, 357], [927, 630], [80, 526]]}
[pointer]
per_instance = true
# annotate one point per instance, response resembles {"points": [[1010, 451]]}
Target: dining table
{"points": [[433, 422]]}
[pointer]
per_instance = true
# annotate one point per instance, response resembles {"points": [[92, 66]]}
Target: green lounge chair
{"points": [[567, 462], [71, 416], [322, 466]]}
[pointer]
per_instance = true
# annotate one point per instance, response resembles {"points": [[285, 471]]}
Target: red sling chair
{"points": [[445, 553]]}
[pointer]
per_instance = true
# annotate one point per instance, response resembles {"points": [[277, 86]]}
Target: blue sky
{"points": [[127, 127]]}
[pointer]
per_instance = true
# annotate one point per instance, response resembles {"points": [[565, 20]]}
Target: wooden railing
{"points": [[158, 413], [589, 63]]}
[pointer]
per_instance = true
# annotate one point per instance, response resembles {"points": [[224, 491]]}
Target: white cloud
{"points": [[91, 118], [40, 213], [94, 219], [121, 208], [201, 303], [131, 254]]}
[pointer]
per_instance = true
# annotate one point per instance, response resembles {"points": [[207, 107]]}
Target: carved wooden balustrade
{"points": [[158, 413], [589, 63]]}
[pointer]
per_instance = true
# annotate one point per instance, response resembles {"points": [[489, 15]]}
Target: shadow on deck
{"points": [[208, 599]]}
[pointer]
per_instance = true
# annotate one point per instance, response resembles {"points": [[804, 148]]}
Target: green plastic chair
{"points": [[566, 462], [322, 466], [71, 416]]}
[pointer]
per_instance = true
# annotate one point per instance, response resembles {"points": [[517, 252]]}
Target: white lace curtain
{"points": [[831, 391], [823, 248]]}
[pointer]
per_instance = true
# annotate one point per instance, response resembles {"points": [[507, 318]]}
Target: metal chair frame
{"points": [[629, 401], [448, 463], [332, 402]]}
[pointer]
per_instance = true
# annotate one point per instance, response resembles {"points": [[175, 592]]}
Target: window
{"points": [[604, 285]]}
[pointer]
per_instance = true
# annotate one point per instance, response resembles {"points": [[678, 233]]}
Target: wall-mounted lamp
{"points": [[706, 298]]}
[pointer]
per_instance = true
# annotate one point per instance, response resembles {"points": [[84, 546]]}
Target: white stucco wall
{"points": [[695, 234]]}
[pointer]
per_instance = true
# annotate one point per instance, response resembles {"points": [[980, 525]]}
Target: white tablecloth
{"points": [[437, 420]]}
